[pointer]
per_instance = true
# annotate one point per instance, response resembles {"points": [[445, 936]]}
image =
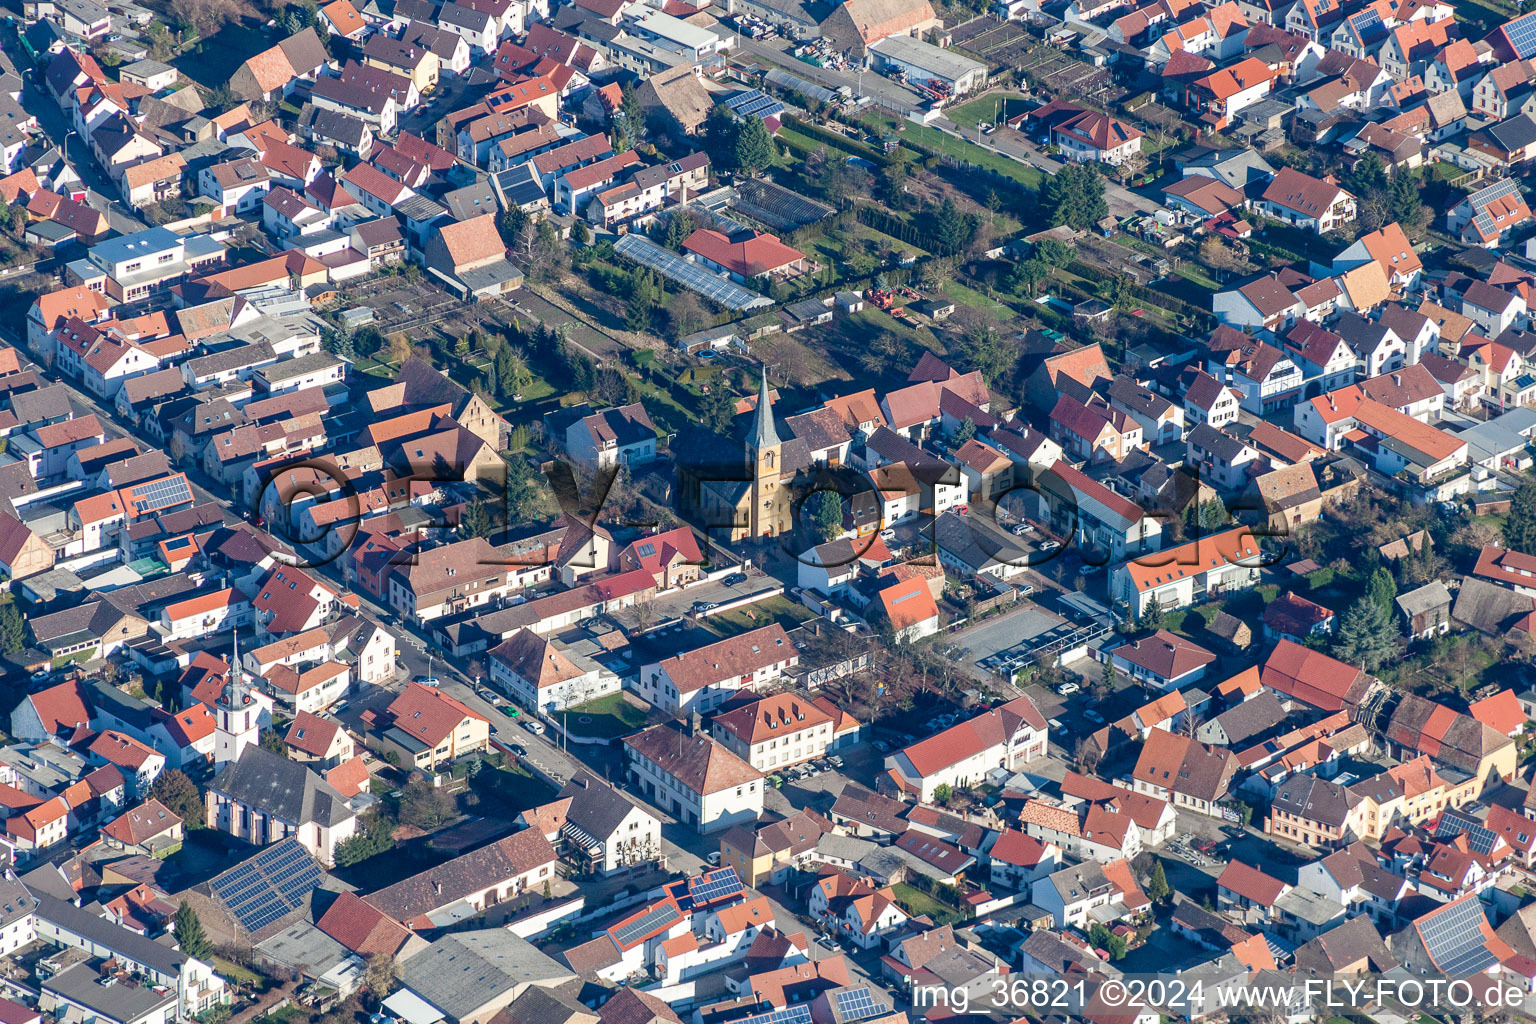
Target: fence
{"points": [[837, 140]]}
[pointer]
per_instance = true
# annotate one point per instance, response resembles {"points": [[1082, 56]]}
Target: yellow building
{"points": [[767, 853], [759, 504], [429, 728]]}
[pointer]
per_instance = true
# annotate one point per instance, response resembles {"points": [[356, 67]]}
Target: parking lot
{"points": [[981, 642], [676, 604]]}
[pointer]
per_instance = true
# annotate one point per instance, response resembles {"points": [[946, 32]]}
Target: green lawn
{"points": [[968, 296], [234, 972], [988, 109], [1197, 274], [837, 244], [535, 392], [778, 609], [1029, 177], [915, 902], [608, 716], [670, 417]]}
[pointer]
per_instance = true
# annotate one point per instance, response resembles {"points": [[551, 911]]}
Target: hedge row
{"points": [[839, 141], [891, 225]]}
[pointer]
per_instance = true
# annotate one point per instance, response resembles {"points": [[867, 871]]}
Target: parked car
{"points": [[887, 534], [1068, 689], [429, 681], [714, 859], [1050, 545], [518, 749], [1092, 715], [534, 726], [1023, 528], [735, 579], [882, 746], [509, 711]]}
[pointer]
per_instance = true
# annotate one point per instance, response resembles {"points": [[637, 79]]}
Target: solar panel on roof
{"points": [[714, 886], [788, 1015], [160, 493], [627, 935], [269, 886], [1480, 838], [859, 1004], [1454, 939], [1521, 33]]}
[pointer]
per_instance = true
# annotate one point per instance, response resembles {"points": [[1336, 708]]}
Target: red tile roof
{"points": [[752, 257], [1309, 676], [361, 927], [1251, 883], [428, 714], [1501, 712], [144, 822], [61, 708], [972, 736], [908, 603]]}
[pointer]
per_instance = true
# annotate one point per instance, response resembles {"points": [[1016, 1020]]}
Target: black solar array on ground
{"points": [[268, 886]]}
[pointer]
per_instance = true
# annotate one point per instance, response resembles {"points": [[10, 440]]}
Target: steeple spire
{"points": [[234, 687], [763, 433]]}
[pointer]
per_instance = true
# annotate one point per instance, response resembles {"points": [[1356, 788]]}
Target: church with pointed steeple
{"points": [[760, 501], [236, 715]]}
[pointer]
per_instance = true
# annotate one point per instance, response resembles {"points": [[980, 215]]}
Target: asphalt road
{"points": [[453, 93], [100, 190]]}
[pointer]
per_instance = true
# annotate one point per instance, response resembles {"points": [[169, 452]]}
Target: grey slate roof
{"points": [[1427, 598], [462, 972], [596, 807], [229, 359], [1252, 717], [285, 789], [471, 201], [107, 935]]}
